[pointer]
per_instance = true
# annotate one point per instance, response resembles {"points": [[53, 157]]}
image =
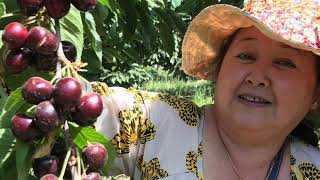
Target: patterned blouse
{"points": [[157, 136]]}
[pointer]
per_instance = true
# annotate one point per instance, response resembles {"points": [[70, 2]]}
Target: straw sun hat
{"points": [[293, 22]]}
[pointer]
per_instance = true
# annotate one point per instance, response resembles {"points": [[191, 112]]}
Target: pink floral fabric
{"points": [[294, 20]]}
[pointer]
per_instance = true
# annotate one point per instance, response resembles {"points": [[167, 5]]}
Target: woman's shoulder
{"points": [[305, 160], [153, 102]]}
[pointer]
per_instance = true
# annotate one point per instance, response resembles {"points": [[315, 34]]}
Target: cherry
{"points": [[45, 165], [90, 107], [36, 35], [67, 92], [42, 40], [57, 8], [36, 90], [92, 176], [46, 117], [84, 5], [17, 61], [46, 62], [30, 7], [69, 50], [23, 128], [81, 120], [94, 155], [49, 177], [14, 35]]}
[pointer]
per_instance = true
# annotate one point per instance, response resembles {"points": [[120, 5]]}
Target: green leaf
{"points": [[105, 3], [95, 41], [166, 37], [176, 3], [147, 25], [23, 160], [72, 30], [17, 80], [81, 136], [13, 104], [2, 9], [129, 16], [7, 171], [10, 5], [7, 142]]}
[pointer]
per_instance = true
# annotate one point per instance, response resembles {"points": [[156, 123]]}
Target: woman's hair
{"points": [[304, 130]]}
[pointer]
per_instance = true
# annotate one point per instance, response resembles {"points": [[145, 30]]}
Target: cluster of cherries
{"points": [[53, 105], [37, 48], [55, 8]]}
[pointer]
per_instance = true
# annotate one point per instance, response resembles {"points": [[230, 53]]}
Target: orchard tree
{"points": [[46, 121]]}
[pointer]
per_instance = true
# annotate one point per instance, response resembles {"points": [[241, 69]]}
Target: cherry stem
{"points": [[65, 163], [78, 162]]}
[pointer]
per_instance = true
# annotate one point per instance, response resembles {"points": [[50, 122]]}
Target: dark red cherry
{"points": [[69, 50], [46, 62], [46, 117], [91, 105], [84, 5], [23, 128], [17, 61], [57, 8], [49, 177], [42, 40], [36, 90], [45, 165], [15, 35], [67, 93], [94, 155], [30, 7]]}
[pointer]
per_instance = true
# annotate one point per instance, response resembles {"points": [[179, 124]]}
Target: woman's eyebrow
{"points": [[292, 48]]}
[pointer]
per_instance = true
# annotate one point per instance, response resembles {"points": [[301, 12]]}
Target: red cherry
{"points": [[95, 155], [30, 7], [57, 8], [17, 61], [14, 35], [67, 93], [46, 117], [24, 129], [84, 5], [36, 90], [42, 40]]}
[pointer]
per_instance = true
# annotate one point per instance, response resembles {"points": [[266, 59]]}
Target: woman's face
{"points": [[264, 84]]}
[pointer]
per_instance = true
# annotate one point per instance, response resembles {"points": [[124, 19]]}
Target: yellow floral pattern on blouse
{"points": [[151, 170], [133, 128], [191, 162], [188, 111]]}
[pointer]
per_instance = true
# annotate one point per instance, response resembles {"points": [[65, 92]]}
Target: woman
{"points": [[265, 64]]}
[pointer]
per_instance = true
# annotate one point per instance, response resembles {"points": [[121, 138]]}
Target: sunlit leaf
{"points": [[6, 145]]}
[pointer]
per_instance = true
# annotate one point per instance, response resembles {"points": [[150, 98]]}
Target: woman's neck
{"points": [[250, 152], [252, 161]]}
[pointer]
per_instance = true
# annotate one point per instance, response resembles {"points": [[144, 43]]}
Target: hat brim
{"points": [[209, 30]]}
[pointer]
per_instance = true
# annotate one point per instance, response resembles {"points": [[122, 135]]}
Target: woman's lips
{"points": [[253, 100]]}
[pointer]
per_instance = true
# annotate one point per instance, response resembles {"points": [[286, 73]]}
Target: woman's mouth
{"points": [[253, 99]]}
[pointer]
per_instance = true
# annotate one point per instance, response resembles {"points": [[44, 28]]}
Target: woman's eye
{"points": [[245, 56], [285, 63]]}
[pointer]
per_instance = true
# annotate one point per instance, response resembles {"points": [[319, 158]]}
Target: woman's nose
{"points": [[258, 76]]}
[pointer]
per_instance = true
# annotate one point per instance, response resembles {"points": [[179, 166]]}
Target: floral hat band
{"points": [[293, 22]]}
